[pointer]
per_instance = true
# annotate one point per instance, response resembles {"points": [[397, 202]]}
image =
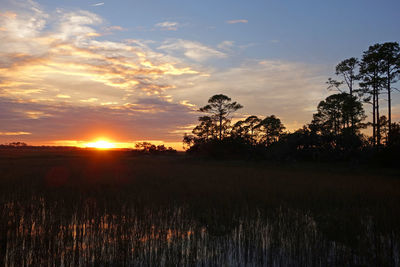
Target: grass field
{"points": [[102, 208]]}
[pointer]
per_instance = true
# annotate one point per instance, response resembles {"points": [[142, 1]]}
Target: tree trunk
{"points": [[378, 125], [373, 118], [351, 113], [351, 87], [389, 109], [220, 128]]}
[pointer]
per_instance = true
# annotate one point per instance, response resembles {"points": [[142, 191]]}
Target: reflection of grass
{"points": [[139, 209]]}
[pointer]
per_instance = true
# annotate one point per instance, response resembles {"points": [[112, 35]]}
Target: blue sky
{"points": [[161, 60], [310, 31]]}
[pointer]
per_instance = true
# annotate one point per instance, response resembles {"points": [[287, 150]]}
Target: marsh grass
{"points": [[102, 208]]}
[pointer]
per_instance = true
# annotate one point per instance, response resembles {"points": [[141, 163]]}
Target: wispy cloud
{"points": [[226, 45], [56, 65], [190, 49], [63, 96], [114, 28], [237, 21], [264, 87], [98, 4], [145, 118], [48, 60], [168, 25], [14, 133]]}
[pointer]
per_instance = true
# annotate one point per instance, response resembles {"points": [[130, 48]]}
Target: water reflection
{"points": [[47, 233]]}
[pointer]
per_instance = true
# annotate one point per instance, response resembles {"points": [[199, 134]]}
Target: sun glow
{"points": [[101, 144]]}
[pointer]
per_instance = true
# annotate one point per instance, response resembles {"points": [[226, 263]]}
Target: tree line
{"points": [[336, 127], [370, 78]]}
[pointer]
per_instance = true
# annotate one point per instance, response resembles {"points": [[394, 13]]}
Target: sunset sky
{"points": [[74, 71]]}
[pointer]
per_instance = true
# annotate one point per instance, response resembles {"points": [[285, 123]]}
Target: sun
{"points": [[101, 144]]}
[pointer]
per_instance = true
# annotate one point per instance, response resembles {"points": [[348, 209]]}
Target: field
{"points": [[102, 208]]}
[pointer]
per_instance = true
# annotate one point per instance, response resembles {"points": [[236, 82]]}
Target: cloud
{"points": [[57, 80], [90, 100], [290, 90], [114, 28], [226, 45], [76, 26], [70, 56], [191, 49], [14, 133], [36, 114], [60, 81], [145, 118], [237, 21], [63, 96], [28, 23], [168, 25], [98, 4]]}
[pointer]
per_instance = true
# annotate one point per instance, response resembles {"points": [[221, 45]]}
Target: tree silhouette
{"points": [[384, 129], [334, 132], [247, 129], [220, 107], [347, 70], [271, 128], [336, 112], [371, 71], [390, 56], [147, 147], [206, 129]]}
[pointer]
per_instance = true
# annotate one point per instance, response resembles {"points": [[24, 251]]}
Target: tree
{"points": [[384, 129], [333, 122], [161, 148], [220, 107], [146, 147], [247, 129], [390, 56], [272, 128], [149, 148], [371, 71], [395, 134], [17, 144], [206, 129], [347, 70], [336, 113], [188, 140]]}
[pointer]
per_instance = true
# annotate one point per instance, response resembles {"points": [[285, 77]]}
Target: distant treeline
{"points": [[141, 148], [335, 130], [23, 145], [149, 148]]}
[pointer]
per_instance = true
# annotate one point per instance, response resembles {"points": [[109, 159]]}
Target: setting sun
{"points": [[101, 144]]}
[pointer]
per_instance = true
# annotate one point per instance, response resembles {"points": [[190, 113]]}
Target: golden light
{"points": [[101, 144]]}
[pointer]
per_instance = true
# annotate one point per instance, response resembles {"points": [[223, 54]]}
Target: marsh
{"points": [[102, 208]]}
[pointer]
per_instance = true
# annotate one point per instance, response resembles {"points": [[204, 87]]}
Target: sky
{"points": [[72, 72]]}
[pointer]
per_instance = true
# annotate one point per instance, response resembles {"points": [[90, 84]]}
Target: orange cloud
{"points": [[9, 15], [14, 133], [58, 66]]}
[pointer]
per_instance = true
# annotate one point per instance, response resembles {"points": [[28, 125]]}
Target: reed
{"points": [[102, 208]]}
